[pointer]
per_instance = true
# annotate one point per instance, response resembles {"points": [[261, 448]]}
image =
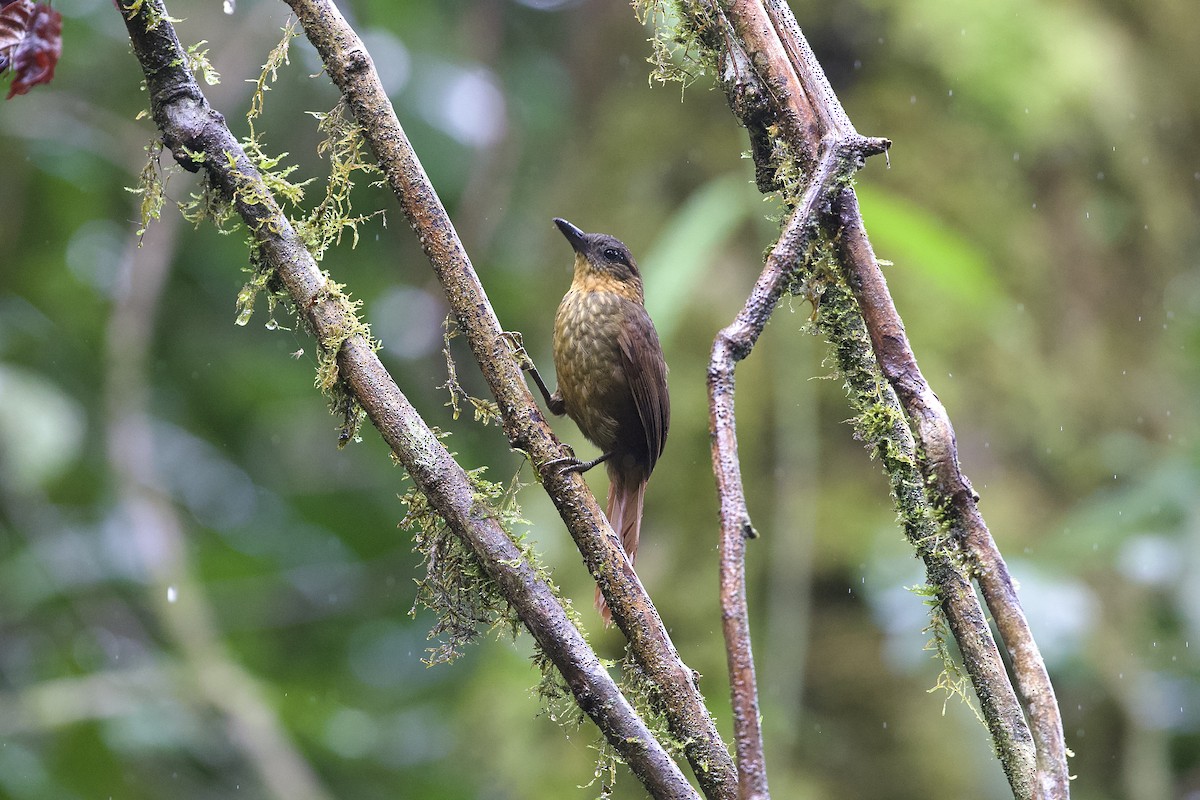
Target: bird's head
{"points": [[600, 256]]}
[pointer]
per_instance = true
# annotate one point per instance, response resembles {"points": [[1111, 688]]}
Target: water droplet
{"points": [[229, 6], [172, 594]]}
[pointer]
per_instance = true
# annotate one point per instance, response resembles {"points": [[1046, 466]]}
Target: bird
{"points": [[612, 377]]}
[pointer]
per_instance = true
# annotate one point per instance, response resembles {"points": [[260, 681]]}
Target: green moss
{"points": [[606, 770], [880, 423], [318, 228], [678, 50], [455, 586], [348, 156], [646, 696], [199, 65], [153, 16], [952, 681], [486, 411], [879, 420], [277, 58], [152, 186], [209, 205], [462, 595]]}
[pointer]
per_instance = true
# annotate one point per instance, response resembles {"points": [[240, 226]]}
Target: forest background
{"points": [[1040, 212]]}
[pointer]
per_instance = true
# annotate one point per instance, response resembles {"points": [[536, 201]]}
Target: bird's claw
{"points": [[569, 463], [516, 346], [565, 463]]}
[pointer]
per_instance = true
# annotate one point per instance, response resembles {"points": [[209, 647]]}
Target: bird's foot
{"points": [[570, 463], [516, 346], [563, 463]]}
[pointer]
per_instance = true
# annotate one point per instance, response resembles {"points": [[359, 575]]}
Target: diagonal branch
{"points": [[198, 138], [935, 437], [350, 67]]}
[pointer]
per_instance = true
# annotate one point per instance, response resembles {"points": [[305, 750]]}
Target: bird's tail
{"points": [[626, 490]]}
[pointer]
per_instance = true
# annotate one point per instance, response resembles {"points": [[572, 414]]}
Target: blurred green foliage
{"points": [[202, 597]]}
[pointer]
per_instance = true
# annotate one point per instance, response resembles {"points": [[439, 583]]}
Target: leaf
{"points": [[14, 21], [30, 44]]}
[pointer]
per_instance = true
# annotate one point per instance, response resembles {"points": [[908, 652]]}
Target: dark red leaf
{"points": [[30, 43], [14, 22]]}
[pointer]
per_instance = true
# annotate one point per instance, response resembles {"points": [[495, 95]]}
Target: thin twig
{"points": [[198, 138], [733, 344], [350, 67]]}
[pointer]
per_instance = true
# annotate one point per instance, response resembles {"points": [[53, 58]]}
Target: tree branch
{"points": [[733, 344], [777, 89], [198, 138], [935, 438], [350, 67]]}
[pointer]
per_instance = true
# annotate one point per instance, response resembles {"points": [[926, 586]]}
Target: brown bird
{"points": [[612, 379]]}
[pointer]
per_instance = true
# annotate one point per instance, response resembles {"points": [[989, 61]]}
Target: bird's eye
{"points": [[612, 254]]}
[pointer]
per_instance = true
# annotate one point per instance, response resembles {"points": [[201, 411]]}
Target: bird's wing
{"points": [[646, 372]]}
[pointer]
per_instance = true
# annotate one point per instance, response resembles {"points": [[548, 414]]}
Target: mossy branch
{"points": [[199, 140], [350, 67]]}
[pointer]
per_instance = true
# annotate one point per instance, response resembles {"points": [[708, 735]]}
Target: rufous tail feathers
{"points": [[625, 495]]}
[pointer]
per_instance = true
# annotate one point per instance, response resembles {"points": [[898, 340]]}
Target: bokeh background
{"points": [[201, 597]]}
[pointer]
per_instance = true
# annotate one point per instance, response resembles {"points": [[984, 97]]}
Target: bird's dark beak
{"points": [[573, 234]]}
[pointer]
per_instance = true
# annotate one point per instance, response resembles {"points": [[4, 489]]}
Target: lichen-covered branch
{"points": [[197, 137], [350, 67]]}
